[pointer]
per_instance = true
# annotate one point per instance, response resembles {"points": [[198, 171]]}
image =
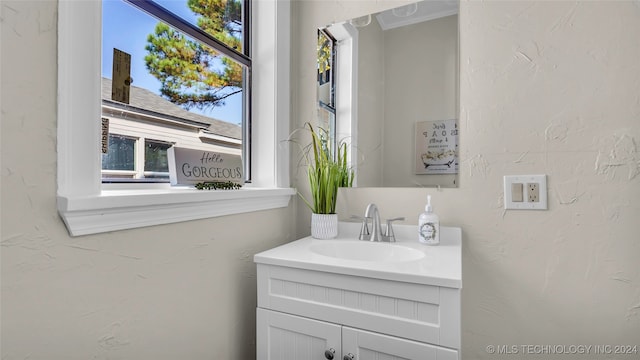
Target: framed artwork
{"points": [[436, 147]]}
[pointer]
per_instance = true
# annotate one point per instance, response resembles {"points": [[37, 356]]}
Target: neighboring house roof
{"points": [[145, 102]]}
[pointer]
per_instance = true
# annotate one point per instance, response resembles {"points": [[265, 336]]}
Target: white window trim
{"points": [[87, 208], [346, 86]]}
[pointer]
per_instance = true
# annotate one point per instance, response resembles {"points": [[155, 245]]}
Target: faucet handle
{"points": [[389, 230], [364, 230], [365, 226]]}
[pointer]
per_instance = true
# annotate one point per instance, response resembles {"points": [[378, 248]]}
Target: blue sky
{"points": [[126, 28]]}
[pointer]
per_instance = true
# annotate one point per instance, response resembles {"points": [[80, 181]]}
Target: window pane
{"points": [[220, 18], [171, 65], [326, 88], [326, 94], [155, 156], [178, 88], [121, 154], [327, 122]]}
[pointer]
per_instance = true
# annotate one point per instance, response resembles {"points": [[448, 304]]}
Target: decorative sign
{"points": [[105, 135], [121, 71], [189, 166], [436, 147]]}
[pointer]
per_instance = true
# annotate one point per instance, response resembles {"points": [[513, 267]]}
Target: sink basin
{"points": [[405, 260], [366, 251]]}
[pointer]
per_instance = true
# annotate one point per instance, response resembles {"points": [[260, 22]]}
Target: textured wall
{"points": [[179, 291], [371, 79], [546, 87], [421, 84], [405, 75], [549, 87]]}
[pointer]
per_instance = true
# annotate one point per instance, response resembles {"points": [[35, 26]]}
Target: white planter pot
{"points": [[324, 226]]}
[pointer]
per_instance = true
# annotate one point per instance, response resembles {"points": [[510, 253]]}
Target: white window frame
{"points": [[346, 87], [87, 207]]}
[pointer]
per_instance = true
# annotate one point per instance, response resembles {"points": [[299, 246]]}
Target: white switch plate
{"points": [[541, 180]]}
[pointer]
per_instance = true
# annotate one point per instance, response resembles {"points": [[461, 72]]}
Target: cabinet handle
{"points": [[349, 356], [329, 353]]}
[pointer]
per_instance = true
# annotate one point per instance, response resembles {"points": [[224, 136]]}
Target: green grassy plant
{"points": [[326, 173]]}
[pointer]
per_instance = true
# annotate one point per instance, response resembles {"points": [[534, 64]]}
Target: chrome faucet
{"points": [[372, 213], [376, 233]]}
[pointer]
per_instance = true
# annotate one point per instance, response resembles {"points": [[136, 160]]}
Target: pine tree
{"points": [[194, 75]]}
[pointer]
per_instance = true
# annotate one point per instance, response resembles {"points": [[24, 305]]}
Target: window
{"points": [[172, 70], [337, 87], [131, 159], [156, 164], [88, 206], [326, 85], [121, 156]]}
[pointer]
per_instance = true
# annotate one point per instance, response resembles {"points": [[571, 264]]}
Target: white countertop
{"points": [[440, 266]]}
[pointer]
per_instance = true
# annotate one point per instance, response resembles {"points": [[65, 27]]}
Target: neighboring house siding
{"points": [[150, 117], [155, 105], [182, 137]]}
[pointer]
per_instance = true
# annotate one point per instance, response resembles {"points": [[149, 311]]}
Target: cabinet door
{"points": [[282, 336], [364, 345]]}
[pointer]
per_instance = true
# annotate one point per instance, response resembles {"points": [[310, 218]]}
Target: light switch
{"points": [[516, 192]]}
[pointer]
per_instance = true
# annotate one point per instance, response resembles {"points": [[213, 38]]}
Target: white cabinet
{"points": [[369, 345], [303, 313], [284, 336]]}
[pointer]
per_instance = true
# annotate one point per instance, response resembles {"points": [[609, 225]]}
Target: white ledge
{"points": [[127, 209]]}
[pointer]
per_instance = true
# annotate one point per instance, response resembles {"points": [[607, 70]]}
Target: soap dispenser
{"points": [[429, 225]]}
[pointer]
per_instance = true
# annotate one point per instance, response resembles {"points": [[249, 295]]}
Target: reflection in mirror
{"points": [[326, 85], [395, 93]]}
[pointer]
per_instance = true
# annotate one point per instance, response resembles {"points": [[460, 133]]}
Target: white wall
{"points": [[421, 84], [179, 291], [371, 105], [405, 75], [546, 87]]}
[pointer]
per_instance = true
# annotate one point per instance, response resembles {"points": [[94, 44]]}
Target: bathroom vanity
{"points": [[354, 300]]}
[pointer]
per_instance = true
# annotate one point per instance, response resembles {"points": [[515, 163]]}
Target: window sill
{"points": [[127, 209]]}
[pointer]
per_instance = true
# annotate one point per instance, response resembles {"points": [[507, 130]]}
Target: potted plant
{"points": [[326, 173]]}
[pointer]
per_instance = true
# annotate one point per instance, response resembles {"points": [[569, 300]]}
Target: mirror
{"points": [[388, 84]]}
